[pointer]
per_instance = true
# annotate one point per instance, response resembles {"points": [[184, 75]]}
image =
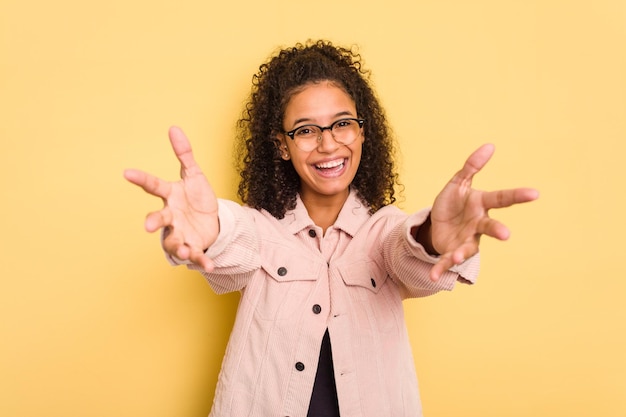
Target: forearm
{"points": [[409, 259]]}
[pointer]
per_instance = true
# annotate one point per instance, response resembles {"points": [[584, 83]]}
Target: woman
{"points": [[320, 255]]}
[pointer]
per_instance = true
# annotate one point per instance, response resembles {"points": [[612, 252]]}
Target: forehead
{"points": [[320, 100]]}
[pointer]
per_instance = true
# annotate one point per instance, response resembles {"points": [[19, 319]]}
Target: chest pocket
{"points": [[377, 306], [285, 263], [363, 273], [286, 281]]}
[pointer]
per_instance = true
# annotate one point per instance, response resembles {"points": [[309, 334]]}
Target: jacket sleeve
{"points": [[235, 253], [409, 264]]}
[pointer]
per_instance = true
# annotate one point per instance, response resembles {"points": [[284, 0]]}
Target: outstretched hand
{"points": [[460, 214], [189, 215]]}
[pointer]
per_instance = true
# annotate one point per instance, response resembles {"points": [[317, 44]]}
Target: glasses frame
{"points": [[292, 133]]}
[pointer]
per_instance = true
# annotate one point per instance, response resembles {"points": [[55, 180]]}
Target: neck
{"points": [[324, 210]]}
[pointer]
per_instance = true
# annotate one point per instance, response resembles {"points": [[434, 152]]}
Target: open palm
{"points": [[189, 216], [460, 214]]}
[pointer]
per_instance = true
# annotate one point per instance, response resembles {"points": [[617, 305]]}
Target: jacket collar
{"points": [[351, 217]]}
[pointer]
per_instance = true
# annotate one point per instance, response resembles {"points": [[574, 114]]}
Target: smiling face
{"points": [[327, 171]]}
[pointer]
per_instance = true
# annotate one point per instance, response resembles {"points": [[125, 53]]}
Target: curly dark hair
{"points": [[271, 183]]}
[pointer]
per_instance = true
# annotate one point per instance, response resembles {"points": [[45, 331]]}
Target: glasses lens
{"points": [[306, 137], [345, 131]]}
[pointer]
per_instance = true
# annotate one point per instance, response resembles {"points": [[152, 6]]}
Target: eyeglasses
{"points": [[308, 137]]}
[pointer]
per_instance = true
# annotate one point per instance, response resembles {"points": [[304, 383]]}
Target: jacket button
{"points": [[317, 309], [373, 283], [300, 366], [312, 233], [282, 271]]}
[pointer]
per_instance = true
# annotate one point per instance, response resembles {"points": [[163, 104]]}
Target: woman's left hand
{"points": [[460, 214]]}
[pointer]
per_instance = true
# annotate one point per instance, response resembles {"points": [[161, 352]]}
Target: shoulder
{"points": [[387, 216]]}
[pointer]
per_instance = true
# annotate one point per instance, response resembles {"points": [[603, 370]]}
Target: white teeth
{"points": [[330, 164]]}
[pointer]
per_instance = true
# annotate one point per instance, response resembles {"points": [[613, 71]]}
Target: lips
{"points": [[330, 164], [331, 168]]}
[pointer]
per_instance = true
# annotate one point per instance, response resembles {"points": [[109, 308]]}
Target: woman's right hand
{"points": [[189, 216]]}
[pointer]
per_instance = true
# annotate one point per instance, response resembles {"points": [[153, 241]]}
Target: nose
{"points": [[326, 142]]}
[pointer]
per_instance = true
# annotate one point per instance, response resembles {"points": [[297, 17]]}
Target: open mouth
{"points": [[331, 166]]}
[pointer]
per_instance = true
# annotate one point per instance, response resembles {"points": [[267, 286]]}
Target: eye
{"points": [[306, 131], [343, 123]]}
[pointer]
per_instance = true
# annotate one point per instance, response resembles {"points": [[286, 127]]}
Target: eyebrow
{"points": [[308, 120]]}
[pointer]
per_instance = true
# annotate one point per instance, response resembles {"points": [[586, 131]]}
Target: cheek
{"points": [[299, 161], [358, 147]]}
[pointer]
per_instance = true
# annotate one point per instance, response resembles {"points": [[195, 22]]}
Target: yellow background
{"points": [[94, 322]]}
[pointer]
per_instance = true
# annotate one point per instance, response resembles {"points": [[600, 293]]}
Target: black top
{"points": [[324, 401]]}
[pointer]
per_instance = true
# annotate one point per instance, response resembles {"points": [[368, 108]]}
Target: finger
{"points": [[183, 151], [492, 228], [456, 257], [183, 252], [199, 258], [135, 176], [150, 184], [174, 244], [507, 198], [158, 219], [474, 163], [444, 263], [176, 247]]}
